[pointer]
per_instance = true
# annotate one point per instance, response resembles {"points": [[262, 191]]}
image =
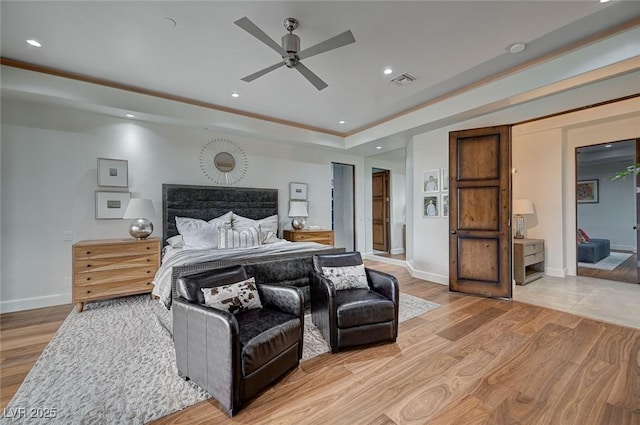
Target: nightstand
{"points": [[528, 260], [307, 235], [110, 268]]}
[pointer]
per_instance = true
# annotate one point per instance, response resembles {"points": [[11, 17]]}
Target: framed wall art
{"points": [[444, 179], [111, 205], [113, 172], [444, 204], [587, 192], [431, 182], [430, 204], [298, 191]]}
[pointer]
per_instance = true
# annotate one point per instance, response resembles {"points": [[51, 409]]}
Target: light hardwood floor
{"points": [[472, 361]]}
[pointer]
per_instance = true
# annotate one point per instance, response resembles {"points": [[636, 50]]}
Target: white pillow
{"points": [[349, 277], [200, 234], [230, 238], [267, 225], [175, 241], [236, 297]]}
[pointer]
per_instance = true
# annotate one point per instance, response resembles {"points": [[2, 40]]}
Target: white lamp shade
{"points": [[523, 207], [298, 209], [140, 208]]}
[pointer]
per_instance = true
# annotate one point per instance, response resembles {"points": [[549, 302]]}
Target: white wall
{"points": [[614, 216], [48, 177]]}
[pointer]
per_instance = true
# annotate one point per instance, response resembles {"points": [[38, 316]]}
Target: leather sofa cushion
{"points": [[358, 307], [264, 334]]}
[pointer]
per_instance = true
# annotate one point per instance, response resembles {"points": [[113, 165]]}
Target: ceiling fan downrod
{"points": [[291, 43]]}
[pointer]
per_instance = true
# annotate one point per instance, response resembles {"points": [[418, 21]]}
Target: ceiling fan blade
{"points": [[246, 24], [262, 72], [330, 44], [313, 78]]}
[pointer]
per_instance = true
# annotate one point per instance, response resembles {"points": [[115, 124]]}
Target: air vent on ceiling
{"points": [[403, 79]]}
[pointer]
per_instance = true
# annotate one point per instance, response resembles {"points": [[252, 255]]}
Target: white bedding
{"points": [[179, 257]]}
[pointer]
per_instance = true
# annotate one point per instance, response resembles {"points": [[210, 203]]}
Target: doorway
{"points": [[606, 212], [343, 205], [380, 210]]}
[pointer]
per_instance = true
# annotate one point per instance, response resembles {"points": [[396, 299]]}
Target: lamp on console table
{"points": [[139, 209], [298, 211], [521, 207]]}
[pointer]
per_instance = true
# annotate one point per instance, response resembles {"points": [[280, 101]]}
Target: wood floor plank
{"points": [[472, 361]]}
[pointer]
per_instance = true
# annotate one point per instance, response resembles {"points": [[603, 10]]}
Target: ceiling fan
{"points": [[290, 49]]}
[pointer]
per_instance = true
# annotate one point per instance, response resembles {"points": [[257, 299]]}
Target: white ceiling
{"points": [[446, 44]]}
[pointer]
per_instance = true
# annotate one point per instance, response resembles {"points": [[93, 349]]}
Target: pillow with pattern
{"points": [[584, 235], [230, 238], [236, 297], [200, 234], [349, 277], [267, 225]]}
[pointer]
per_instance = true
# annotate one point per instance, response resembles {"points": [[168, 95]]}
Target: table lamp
{"points": [[521, 207], [139, 209], [298, 211]]}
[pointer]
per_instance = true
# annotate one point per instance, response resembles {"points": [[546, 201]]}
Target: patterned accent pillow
{"points": [[267, 225], [230, 238], [584, 236], [236, 297], [350, 277]]}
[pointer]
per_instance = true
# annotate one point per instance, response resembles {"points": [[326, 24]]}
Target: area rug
{"points": [[115, 364], [608, 263]]}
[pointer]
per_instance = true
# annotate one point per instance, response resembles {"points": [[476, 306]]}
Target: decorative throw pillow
{"points": [[236, 297], [584, 236], [175, 241], [230, 238], [200, 234], [267, 225], [581, 238], [349, 277]]}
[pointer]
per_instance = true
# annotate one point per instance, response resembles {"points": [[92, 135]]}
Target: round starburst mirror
{"points": [[223, 161]]}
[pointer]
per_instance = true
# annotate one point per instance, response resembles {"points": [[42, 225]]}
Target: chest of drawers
{"points": [[111, 268], [321, 236]]}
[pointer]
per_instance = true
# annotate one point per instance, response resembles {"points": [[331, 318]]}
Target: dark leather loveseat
{"points": [[236, 356]]}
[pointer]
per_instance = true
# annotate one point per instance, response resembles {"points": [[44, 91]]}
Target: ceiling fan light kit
{"points": [[289, 49]]}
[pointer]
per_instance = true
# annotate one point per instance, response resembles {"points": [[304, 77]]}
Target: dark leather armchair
{"points": [[235, 357], [351, 317]]}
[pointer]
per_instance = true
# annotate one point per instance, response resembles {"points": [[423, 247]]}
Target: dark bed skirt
{"points": [[278, 269]]}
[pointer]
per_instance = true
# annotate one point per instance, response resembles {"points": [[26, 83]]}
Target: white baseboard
{"points": [[396, 251], [31, 303], [431, 277], [550, 271], [385, 260], [630, 248]]}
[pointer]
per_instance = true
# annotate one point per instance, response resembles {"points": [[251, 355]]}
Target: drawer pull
{"points": [[88, 265], [88, 252], [88, 292], [148, 271], [148, 259], [88, 278], [148, 247]]}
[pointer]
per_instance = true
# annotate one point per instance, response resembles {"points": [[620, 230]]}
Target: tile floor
{"points": [[609, 301]]}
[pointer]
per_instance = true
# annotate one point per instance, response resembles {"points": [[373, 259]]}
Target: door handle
{"points": [[635, 227], [453, 232]]}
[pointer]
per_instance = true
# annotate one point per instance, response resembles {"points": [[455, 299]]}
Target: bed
{"points": [[280, 262]]}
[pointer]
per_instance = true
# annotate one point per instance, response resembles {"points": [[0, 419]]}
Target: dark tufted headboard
{"points": [[207, 202]]}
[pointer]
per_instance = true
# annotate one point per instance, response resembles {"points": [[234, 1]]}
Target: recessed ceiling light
{"points": [[516, 47], [607, 146], [604, 1], [378, 147], [234, 94], [34, 43], [341, 122], [129, 115], [387, 71]]}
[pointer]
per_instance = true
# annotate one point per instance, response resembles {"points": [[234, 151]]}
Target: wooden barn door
{"points": [[480, 211]]}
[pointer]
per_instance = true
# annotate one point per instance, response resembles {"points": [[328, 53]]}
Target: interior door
{"points": [[480, 211], [380, 210]]}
